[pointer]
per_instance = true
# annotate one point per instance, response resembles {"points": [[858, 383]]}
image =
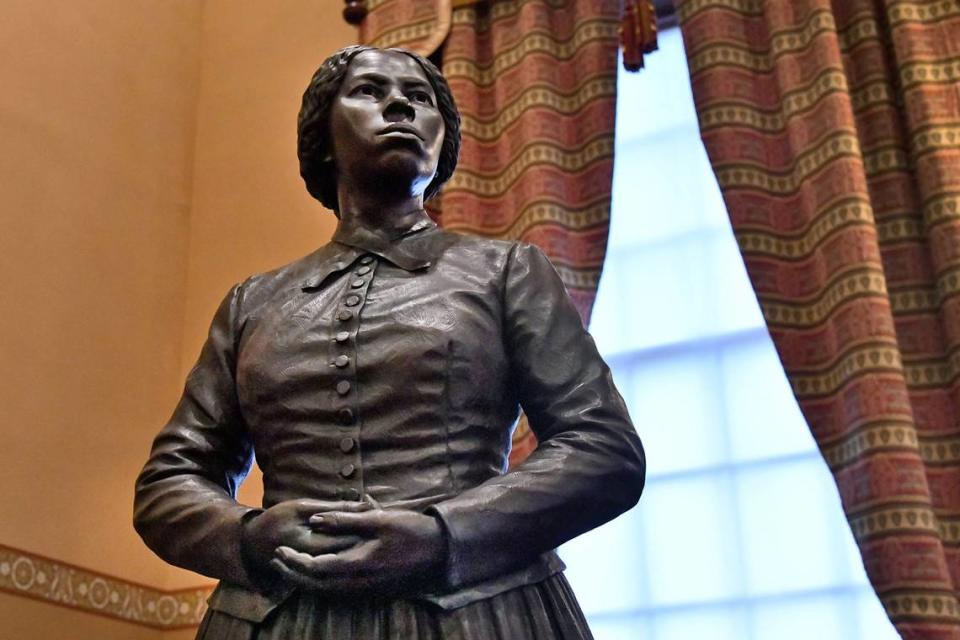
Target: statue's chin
{"points": [[403, 171]]}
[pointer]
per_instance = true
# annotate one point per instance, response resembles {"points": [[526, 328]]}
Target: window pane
{"points": [[693, 551], [820, 617], [792, 525], [621, 628], [609, 562], [873, 621], [715, 623], [669, 203], [673, 399], [661, 101], [692, 286], [760, 405]]}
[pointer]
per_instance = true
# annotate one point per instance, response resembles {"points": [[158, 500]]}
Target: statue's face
{"points": [[385, 118]]}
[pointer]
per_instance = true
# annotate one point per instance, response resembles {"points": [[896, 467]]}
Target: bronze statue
{"points": [[378, 380]]}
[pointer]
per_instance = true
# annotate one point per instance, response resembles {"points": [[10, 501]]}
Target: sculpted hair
{"points": [[313, 125]]}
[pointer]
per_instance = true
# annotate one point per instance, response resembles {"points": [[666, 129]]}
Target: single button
{"points": [[342, 361], [359, 282], [350, 494], [352, 301], [366, 259], [343, 336], [347, 470], [362, 271], [344, 314], [343, 387], [346, 444], [346, 416]]}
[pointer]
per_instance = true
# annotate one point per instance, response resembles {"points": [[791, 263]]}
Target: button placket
{"points": [[343, 358]]}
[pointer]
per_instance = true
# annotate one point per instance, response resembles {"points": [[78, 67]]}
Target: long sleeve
{"points": [[589, 466], [184, 507]]}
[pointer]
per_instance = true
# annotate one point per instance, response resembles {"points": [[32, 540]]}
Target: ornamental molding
{"points": [[59, 583]]}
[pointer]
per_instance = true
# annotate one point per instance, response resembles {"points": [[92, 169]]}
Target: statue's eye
{"points": [[368, 90], [421, 97]]}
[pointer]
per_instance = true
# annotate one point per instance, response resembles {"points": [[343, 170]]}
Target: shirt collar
{"points": [[415, 249]]}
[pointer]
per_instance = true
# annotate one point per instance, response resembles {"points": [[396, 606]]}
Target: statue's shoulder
{"points": [[493, 251], [294, 275], [470, 240], [497, 254]]}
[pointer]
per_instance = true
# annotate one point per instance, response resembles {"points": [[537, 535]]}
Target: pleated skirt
{"points": [[545, 610]]}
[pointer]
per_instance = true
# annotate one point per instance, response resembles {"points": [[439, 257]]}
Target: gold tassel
{"points": [[355, 11], [638, 32]]}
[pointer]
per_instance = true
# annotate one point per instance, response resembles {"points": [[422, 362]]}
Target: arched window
{"points": [[740, 534]]}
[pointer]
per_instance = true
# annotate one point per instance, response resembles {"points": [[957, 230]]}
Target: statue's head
{"points": [[369, 73]]}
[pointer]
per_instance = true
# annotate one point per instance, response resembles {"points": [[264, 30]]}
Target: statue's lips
{"points": [[400, 130]]}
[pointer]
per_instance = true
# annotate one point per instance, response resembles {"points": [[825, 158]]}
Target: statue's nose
{"points": [[398, 109]]}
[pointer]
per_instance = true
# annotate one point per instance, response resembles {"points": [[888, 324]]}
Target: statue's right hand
{"points": [[286, 524]]}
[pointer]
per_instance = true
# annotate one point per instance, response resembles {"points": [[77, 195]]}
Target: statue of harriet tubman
{"points": [[378, 381]]}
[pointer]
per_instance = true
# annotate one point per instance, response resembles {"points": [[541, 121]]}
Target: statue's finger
{"points": [[294, 577], [364, 523], [307, 506], [318, 544], [316, 567]]}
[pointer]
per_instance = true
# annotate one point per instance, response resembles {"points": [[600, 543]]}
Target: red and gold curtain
{"points": [[535, 81], [834, 132]]}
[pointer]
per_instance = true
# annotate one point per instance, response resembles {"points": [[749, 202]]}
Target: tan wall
{"points": [[148, 162], [26, 619], [97, 122], [250, 210]]}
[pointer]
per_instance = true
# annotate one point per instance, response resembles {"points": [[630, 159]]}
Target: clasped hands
{"points": [[345, 547]]}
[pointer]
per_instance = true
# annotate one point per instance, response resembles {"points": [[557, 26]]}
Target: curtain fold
{"points": [[535, 81], [834, 132], [417, 25]]}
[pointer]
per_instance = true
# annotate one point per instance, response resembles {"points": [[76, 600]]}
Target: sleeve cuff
{"points": [[452, 578]]}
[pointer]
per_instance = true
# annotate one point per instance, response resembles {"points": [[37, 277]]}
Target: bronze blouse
{"points": [[396, 371]]}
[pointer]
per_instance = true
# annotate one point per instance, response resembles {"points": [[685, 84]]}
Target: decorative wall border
{"points": [[31, 575]]}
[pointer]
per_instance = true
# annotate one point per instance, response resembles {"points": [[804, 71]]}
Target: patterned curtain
{"points": [[834, 132], [535, 81]]}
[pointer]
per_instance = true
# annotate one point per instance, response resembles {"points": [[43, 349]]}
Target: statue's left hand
{"points": [[399, 551]]}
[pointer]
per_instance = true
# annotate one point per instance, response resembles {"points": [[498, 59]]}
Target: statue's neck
{"points": [[388, 218]]}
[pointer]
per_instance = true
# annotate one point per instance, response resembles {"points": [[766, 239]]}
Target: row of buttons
{"points": [[343, 358]]}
